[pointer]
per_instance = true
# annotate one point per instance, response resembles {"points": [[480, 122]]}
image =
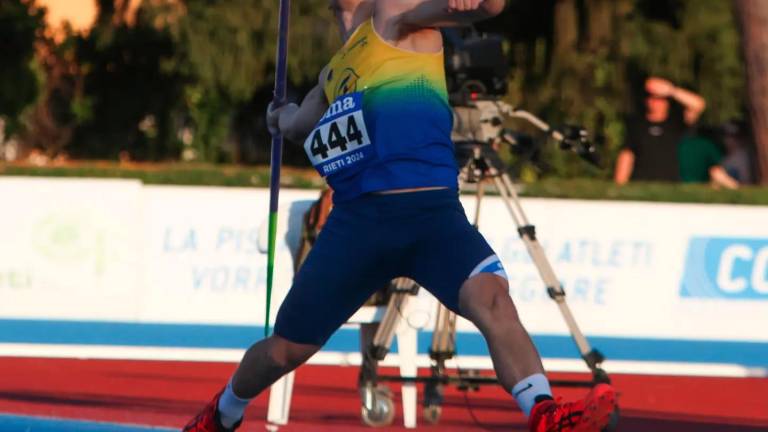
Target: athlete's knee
{"points": [[484, 299], [285, 356]]}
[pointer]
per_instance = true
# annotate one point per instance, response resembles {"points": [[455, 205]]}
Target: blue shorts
{"points": [[373, 239]]}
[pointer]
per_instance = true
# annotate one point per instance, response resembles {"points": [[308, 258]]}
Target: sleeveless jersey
{"points": [[388, 125]]}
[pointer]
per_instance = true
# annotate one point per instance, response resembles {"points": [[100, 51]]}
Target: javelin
{"points": [[277, 148]]}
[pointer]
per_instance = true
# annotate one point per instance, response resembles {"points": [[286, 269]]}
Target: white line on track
{"points": [[353, 359]]}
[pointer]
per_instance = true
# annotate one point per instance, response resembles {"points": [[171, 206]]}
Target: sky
{"points": [[80, 13]]}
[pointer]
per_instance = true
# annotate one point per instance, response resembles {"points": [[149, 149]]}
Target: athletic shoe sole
{"points": [[601, 412]]}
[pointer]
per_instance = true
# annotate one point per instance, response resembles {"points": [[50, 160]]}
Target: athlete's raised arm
{"points": [[295, 122], [438, 13]]}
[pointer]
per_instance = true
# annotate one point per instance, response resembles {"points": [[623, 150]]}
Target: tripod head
{"points": [[577, 140], [480, 122], [569, 137]]}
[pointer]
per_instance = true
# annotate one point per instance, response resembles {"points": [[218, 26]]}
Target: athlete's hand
{"points": [[273, 116], [273, 119], [463, 5]]}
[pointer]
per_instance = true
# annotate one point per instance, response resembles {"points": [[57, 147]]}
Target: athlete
{"points": [[377, 127]]}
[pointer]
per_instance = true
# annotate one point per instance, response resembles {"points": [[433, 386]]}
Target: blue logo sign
{"points": [[731, 268]]}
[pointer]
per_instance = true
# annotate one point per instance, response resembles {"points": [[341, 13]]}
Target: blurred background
{"points": [[113, 291], [166, 81]]}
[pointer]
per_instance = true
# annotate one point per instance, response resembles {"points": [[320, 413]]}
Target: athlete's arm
{"points": [[438, 13], [296, 122]]}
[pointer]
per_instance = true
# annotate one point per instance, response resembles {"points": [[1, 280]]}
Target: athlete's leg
{"points": [[482, 296], [454, 262], [347, 264], [484, 299], [343, 269], [266, 361]]}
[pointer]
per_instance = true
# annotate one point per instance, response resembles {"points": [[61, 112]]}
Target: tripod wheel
{"points": [[433, 401], [382, 409], [432, 413]]}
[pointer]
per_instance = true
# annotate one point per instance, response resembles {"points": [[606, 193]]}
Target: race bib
{"points": [[340, 139]]}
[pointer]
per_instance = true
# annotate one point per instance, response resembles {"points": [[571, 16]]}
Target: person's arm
{"points": [[693, 103], [437, 13], [720, 177], [296, 122], [625, 164]]}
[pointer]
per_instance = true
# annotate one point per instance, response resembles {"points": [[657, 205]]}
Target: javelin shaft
{"points": [[276, 159]]}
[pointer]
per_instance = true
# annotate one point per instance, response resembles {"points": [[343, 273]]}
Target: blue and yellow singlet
{"points": [[388, 125]]}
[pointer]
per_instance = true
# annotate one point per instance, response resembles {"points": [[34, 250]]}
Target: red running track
{"points": [[325, 398]]}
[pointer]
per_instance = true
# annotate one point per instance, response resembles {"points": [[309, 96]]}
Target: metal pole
{"points": [[276, 159]]}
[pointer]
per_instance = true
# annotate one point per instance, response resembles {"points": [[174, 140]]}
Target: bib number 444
{"points": [[341, 139], [339, 136]]}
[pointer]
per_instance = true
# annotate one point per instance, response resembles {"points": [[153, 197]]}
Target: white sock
{"points": [[231, 407], [528, 389]]}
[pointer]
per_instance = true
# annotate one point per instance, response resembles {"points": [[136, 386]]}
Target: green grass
{"points": [[171, 174], [656, 192], [238, 176]]}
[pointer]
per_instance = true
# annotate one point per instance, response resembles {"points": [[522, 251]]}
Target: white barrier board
{"points": [[647, 280]]}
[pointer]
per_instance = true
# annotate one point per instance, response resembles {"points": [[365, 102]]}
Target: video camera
{"points": [[477, 72], [475, 65]]}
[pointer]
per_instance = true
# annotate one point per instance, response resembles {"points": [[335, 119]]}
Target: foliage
{"points": [[190, 79], [229, 45], [129, 98], [21, 25], [701, 51], [583, 61], [61, 106], [226, 49]]}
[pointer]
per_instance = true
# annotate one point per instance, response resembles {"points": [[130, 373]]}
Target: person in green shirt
{"points": [[699, 157]]}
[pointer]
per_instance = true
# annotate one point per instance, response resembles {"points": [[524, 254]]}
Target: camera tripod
{"points": [[480, 164]]}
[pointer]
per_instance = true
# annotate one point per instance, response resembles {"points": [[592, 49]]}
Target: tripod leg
{"points": [[443, 338], [370, 364], [478, 200], [555, 290], [378, 347], [382, 341], [443, 348], [377, 407]]}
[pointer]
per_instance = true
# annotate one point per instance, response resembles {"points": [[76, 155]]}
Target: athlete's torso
{"points": [[389, 122]]}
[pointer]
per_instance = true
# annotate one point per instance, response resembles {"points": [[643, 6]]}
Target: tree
{"points": [[226, 52], [694, 43], [21, 25], [581, 61], [194, 77], [753, 15], [49, 125], [130, 95]]}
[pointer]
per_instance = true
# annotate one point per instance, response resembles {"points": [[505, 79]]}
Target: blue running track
{"points": [[14, 423]]}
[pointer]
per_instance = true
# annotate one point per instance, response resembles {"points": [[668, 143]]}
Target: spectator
{"points": [[650, 146], [737, 161], [700, 160]]}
